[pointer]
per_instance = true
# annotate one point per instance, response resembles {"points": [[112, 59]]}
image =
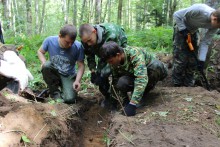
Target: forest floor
{"points": [[171, 116]]}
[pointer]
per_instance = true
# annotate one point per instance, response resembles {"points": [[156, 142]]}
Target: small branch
{"points": [[39, 131], [9, 131], [129, 140], [121, 106]]}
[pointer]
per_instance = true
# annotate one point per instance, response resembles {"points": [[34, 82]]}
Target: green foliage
{"points": [[217, 120], [25, 139], [29, 51], [106, 139], [159, 39]]}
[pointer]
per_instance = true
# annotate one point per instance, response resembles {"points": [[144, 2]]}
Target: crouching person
{"points": [[133, 70], [59, 72]]}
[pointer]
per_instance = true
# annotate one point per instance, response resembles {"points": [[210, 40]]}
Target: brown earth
{"points": [[183, 116]]}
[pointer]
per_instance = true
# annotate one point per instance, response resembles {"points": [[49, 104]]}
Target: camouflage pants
{"points": [[184, 62], [156, 70], [54, 80]]}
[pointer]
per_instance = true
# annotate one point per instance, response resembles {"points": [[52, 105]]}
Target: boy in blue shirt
{"points": [[64, 52]]}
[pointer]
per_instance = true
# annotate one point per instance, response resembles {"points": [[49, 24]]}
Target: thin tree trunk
{"points": [[13, 17], [75, 12], [7, 13], [82, 11], [98, 11], [130, 15], [67, 11], [42, 16], [105, 11], [109, 10], [172, 9], [119, 11], [36, 16], [64, 10], [91, 16], [29, 17]]}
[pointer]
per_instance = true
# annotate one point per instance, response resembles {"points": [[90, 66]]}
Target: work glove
{"points": [[130, 109], [96, 78], [184, 33], [201, 65], [93, 77]]}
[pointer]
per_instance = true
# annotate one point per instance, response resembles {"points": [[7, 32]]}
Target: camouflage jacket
{"points": [[135, 65], [105, 32]]}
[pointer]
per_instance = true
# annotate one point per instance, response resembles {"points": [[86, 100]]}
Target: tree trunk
{"points": [[75, 12], [36, 16], [29, 17], [172, 9], [98, 11], [7, 14], [14, 12], [67, 11], [105, 11], [109, 10], [82, 11], [91, 10], [131, 19], [64, 9], [42, 16], [119, 11]]}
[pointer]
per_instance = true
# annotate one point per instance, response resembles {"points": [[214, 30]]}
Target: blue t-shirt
{"points": [[63, 59]]}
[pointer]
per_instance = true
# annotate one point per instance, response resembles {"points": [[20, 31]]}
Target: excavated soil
{"points": [[170, 117]]}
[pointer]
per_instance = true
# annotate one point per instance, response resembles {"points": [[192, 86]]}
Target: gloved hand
{"points": [[201, 65], [93, 77], [130, 109], [98, 80], [184, 33]]}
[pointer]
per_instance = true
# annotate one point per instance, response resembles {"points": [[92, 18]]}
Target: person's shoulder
{"points": [[200, 7], [132, 50], [77, 44], [51, 38]]}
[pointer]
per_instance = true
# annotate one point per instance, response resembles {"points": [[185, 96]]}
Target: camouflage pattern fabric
{"points": [[184, 63], [106, 32], [140, 66]]}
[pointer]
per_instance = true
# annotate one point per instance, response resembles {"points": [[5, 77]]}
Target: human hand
{"points": [[76, 85], [98, 80], [130, 109], [42, 64]]}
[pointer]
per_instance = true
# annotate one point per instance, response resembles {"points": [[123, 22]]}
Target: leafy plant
{"points": [[25, 139], [106, 139], [156, 38]]}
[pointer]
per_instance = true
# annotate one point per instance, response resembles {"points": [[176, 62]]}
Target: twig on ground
{"points": [[102, 117], [129, 140], [121, 106], [9, 131], [39, 132]]}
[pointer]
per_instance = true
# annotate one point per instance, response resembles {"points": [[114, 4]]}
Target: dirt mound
{"points": [[51, 124], [172, 117]]}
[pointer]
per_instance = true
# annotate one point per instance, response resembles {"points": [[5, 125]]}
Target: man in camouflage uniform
{"points": [[188, 21], [133, 69], [93, 37]]}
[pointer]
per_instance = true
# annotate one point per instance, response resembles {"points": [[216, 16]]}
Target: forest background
{"points": [[148, 23]]}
